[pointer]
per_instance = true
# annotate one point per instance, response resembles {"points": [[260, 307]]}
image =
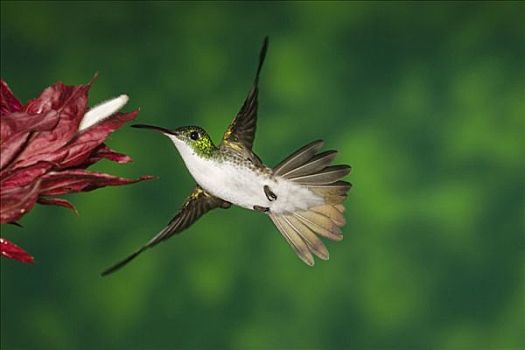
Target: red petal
{"points": [[24, 176], [12, 120], [70, 102], [12, 251], [12, 147], [8, 102], [57, 201], [79, 150], [44, 112], [24, 122], [67, 181], [104, 152], [17, 201], [56, 97]]}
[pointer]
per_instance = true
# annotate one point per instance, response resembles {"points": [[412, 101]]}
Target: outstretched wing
{"points": [[197, 204], [242, 128]]}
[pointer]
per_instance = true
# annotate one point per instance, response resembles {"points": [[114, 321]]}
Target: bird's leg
{"points": [[269, 194], [261, 209]]}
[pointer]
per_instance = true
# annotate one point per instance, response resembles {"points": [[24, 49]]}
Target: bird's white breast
{"points": [[243, 186]]}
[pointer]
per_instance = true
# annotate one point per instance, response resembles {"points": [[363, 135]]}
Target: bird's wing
{"points": [[197, 204], [242, 128]]}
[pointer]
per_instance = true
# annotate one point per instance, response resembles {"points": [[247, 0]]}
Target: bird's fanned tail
{"points": [[302, 229]]}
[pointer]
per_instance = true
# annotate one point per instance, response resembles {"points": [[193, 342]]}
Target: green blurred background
{"points": [[424, 100]]}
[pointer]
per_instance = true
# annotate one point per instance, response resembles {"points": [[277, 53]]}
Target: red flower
{"points": [[46, 146], [12, 251]]}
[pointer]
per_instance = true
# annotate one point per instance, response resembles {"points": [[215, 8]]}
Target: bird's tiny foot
{"points": [[269, 194], [261, 209]]}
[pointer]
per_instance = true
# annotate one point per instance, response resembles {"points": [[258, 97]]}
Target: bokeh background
{"points": [[424, 100]]}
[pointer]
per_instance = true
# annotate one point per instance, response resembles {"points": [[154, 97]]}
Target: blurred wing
{"points": [[197, 204], [242, 128]]}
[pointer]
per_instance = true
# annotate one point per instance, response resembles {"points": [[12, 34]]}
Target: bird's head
{"points": [[187, 138]]}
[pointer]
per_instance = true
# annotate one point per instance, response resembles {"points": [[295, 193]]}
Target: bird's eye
{"points": [[194, 135]]}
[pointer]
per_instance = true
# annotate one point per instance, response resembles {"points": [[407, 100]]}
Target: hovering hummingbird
{"points": [[303, 195]]}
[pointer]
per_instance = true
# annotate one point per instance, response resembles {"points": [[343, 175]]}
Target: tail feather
{"points": [[331, 212], [320, 224], [302, 229], [298, 158], [328, 175], [312, 241], [295, 241], [334, 193], [317, 163]]}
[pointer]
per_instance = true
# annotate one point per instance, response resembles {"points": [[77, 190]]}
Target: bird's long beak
{"points": [[157, 128]]}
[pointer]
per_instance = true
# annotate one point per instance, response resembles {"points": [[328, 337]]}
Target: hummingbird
{"points": [[303, 195]]}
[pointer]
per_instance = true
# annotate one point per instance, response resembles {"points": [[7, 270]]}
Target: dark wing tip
{"points": [[264, 47], [262, 56], [123, 262]]}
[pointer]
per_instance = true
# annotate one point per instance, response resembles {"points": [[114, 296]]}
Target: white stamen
{"points": [[102, 111]]}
